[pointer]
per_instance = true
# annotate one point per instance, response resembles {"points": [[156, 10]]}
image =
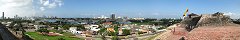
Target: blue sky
{"points": [[135, 8], [143, 8]]}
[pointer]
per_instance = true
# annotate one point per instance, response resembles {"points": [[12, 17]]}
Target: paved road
{"points": [[5, 34]]}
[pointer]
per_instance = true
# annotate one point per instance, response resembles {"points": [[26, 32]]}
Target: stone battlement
{"points": [[216, 19]]}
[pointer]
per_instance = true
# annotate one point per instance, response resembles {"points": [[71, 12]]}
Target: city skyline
{"points": [[124, 8]]}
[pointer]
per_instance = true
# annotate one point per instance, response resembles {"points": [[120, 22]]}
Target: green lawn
{"points": [[37, 36]]}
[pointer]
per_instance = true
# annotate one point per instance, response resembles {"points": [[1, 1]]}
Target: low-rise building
{"points": [[74, 30], [40, 26], [94, 28]]}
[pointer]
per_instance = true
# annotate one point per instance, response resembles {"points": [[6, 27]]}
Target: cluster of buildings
{"points": [[91, 25]]}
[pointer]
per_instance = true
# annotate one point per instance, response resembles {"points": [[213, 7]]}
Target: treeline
{"points": [[164, 22]]}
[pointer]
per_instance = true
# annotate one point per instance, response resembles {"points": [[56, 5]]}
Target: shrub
{"points": [[139, 32], [43, 30], [126, 32], [61, 39]]}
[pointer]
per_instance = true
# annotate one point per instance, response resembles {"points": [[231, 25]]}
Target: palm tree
{"points": [[103, 32]]}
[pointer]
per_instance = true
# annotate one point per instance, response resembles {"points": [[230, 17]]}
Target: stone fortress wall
{"points": [[216, 19]]}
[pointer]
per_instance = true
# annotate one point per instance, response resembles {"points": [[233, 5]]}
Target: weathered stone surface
{"points": [[214, 33], [211, 20], [216, 19], [205, 27], [190, 22]]}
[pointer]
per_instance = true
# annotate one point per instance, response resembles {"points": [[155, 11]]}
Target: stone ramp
{"points": [[214, 33], [205, 27], [173, 35]]}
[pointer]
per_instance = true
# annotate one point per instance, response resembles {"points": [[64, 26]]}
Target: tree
{"points": [[81, 27], [115, 38], [41, 23], [126, 32], [18, 27], [139, 32], [61, 39], [103, 33], [115, 34], [43, 30], [55, 27], [112, 33], [116, 28], [65, 27], [161, 28]]}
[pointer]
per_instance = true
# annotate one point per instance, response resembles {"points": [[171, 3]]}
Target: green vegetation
{"points": [[37, 36], [43, 30], [55, 27], [163, 22], [79, 27], [237, 21], [112, 33], [115, 38], [161, 28], [103, 33], [126, 32], [139, 32], [65, 27], [57, 31]]}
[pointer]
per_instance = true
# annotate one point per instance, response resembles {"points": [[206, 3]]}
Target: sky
{"points": [[124, 8]]}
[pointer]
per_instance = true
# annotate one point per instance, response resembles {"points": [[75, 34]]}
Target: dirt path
{"points": [[163, 35]]}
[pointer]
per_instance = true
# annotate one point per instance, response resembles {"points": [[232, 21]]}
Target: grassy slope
{"points": [[37, 36]]}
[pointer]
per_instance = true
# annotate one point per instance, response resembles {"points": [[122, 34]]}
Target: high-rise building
{"points": [[3, 15], [113, 16], [16, 16]]}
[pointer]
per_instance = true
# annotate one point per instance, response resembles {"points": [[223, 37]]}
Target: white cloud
{"points": [[156, 14], [60, 4], [232, 15], [26, 7], [42, 8], [229, 13], [53, 5], [17, 7], [45, 3], [50, 3]]}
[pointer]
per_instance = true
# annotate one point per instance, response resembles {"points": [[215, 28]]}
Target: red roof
{"points": [[109, 23]]}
